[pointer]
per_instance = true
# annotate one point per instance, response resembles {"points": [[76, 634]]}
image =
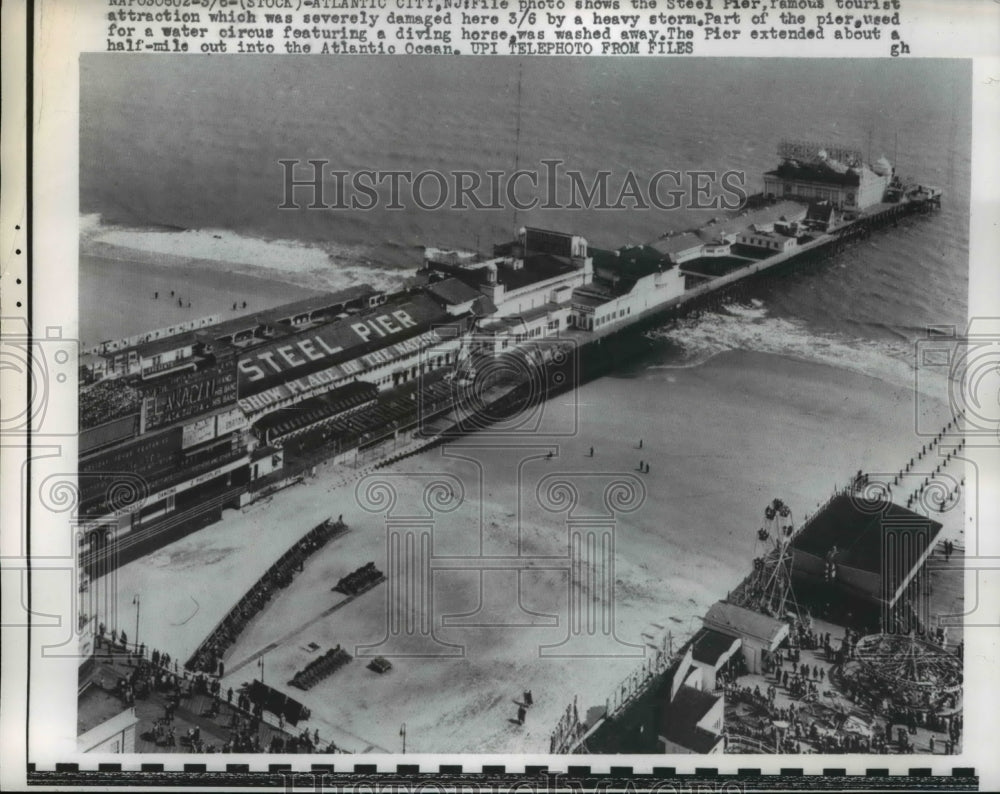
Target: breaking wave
{"points": [[737, 326], [321, 266]]}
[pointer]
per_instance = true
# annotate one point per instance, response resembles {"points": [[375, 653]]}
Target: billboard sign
{"points": [[198, 432], [142, 456], [233, 419], [179, 398], [546, 242]]}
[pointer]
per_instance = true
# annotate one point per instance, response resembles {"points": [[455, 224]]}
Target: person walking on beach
{"points": [[591, 452], [520, 715], [156, 295], [640, 443]]}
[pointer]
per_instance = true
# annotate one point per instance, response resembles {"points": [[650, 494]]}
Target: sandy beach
{"points": [[722, 439], [122, 269], [123, 284]]}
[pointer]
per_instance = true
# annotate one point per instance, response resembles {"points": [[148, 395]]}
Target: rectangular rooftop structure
{"points": [[813, 172], [867, 549], [677, 243], [858, 530], [453, 292], [318, 307], [710, 646], [167, 344], [325, 304], [683, 719], [736, 621], [781, 211]]}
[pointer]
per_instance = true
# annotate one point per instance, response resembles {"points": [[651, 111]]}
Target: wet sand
{"points": [[117, 290], [722, 439]]}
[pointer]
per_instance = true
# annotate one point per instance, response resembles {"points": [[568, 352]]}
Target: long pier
{"points": [[491, 403]]}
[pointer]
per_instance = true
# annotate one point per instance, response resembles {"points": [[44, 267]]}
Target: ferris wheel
{"points": [[770, 588], [776, 531]]}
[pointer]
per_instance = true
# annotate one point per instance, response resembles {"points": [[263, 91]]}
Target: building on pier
{"points": [[813, 172], [866, 557], [759, 634]]}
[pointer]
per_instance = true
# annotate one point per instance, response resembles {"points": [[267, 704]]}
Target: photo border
{"points": [[272, 773]]}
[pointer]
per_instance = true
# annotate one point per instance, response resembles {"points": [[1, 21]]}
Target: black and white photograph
{"points": [[563, 395], [537, 406]]}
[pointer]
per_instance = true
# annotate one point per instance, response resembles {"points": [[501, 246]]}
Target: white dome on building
{"points": [[836, 165], [882, 166]]}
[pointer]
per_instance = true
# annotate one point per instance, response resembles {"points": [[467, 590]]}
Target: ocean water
{"points": [[180, 155]]}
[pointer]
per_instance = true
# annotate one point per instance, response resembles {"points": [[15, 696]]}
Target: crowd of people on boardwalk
{"points": [[208, 657], [824, 727], [303, 743], [107, 400], [799, 731], [118, 641], [158, 674], [805, 732], [245, 723]]}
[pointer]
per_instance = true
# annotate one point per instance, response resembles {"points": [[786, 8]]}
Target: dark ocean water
{"points": [[193, 143]]}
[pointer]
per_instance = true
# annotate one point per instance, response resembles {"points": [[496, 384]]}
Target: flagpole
{"points": [[136, 602]]}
